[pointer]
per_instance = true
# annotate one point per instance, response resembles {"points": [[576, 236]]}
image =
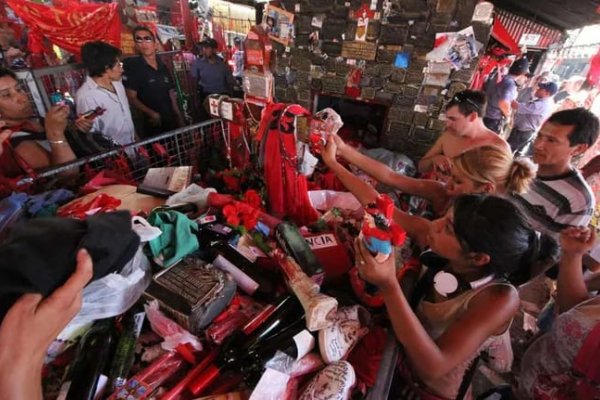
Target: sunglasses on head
{"points": [[141, 39], [462, 98]]}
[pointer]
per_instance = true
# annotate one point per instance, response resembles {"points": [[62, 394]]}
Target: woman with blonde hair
{"points": [[486, 169]]}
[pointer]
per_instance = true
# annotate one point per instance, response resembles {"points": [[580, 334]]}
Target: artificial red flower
{"points": [[231, 214], [239, 213], [252, 198], [249, 215]]}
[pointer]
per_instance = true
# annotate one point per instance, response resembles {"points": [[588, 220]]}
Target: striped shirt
{"points": [[554, 203]]}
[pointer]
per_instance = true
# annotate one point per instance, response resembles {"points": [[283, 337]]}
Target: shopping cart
{"points": [[200, 146]]}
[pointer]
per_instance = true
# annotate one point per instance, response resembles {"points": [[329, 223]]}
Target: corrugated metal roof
{"points": [[518, 26], [560, 14]]}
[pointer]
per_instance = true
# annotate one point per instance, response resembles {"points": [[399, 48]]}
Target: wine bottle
{"points": [[93, 355], [125, 351], [295, 341], [231, 354], [289, 238], [254, 282]]}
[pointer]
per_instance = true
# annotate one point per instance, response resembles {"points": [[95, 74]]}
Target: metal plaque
{"points": [[359, 50], [335, 84]]}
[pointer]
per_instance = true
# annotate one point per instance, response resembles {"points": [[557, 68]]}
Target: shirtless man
{"points": [[464, 131]]}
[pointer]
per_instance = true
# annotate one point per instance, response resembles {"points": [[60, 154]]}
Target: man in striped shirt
{"points": [[559, 196]]}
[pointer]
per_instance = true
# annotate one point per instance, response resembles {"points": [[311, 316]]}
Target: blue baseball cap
{"points": [[549, 87]]}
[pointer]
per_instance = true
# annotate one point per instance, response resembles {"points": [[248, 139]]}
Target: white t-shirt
{"points": [[116, 122]]}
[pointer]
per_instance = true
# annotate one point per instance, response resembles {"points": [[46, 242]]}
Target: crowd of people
{"points": [[520, 101], [113, 88], [499, 221]]}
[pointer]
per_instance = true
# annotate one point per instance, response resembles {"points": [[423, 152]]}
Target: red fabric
{"points": [[239, 153], [9, 166], [219, 36], [105, 178], [330, 181], [500, 33], [593, 75], [81, 210], [367, 355], [287, 190], [68, 23]]}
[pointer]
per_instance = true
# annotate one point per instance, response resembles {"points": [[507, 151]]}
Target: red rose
{"points": [[252, 198], [231, 214]]}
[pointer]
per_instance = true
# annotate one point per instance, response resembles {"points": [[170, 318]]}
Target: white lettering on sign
{"points": [[321, 241], [529, 39]]}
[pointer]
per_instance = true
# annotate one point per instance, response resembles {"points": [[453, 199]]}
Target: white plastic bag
{"points": [[172, 333], [399, 163], [324, 200], [105, 298], [192, 194]]}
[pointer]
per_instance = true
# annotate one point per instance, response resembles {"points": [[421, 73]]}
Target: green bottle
{"points": [[125, 351]]}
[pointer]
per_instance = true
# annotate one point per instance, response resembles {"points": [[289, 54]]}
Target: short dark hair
{"points": [[585, 125], [99, 56], [7, 72], [142, 28], [469, 101]]}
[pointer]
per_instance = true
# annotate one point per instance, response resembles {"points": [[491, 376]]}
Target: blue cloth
{"points": [[378, 246], [495, 92], [11, 209], [38, 202], [212, 78], [531, 115]]}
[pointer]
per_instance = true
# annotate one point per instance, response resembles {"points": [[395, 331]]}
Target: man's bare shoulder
{"points": [[491, 138]]}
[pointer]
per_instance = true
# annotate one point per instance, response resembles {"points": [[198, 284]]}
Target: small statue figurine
{"points": [[379, 232]]}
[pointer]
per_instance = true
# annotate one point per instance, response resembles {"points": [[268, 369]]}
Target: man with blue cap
{"points": [[501, 95], [529, 116]]}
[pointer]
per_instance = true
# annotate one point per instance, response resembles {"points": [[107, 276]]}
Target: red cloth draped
{"points": [[287, 189], [69, 24]]}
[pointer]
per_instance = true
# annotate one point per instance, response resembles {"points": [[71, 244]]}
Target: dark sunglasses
{"points": [[141, 39], [462, 98]]}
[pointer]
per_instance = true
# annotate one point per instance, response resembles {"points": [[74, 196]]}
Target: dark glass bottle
{"points": [[274, 319], [93, 356], [295, 341], [291, 240], [125, 350]]}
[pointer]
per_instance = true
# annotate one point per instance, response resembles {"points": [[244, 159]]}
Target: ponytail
{"points": [[522, 173], [543, 253]]}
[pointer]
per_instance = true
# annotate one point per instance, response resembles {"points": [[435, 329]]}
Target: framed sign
{"points": [[279, 24], [529, 39], [359, 50]]}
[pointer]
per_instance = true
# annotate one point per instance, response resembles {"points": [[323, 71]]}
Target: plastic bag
{"points": [[274, 383], [192, 194], [325, 200], [399, 163], [172, 333], [105, 298]]}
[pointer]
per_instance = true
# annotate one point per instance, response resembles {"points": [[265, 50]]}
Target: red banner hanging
{"points": [[69, 24]]}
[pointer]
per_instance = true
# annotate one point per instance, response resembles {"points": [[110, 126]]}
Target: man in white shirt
{"points": [[103, 88]]}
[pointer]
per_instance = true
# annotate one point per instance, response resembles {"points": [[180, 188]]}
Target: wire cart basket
{"points": [[199, 146]]}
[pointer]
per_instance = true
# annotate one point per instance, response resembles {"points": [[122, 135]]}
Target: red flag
{"points": [[69, 24]]}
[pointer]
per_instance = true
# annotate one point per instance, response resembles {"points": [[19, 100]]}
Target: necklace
{"points": [[110, 89]]}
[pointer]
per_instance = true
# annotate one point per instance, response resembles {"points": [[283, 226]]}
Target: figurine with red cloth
{"points": [[380, 234]]}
